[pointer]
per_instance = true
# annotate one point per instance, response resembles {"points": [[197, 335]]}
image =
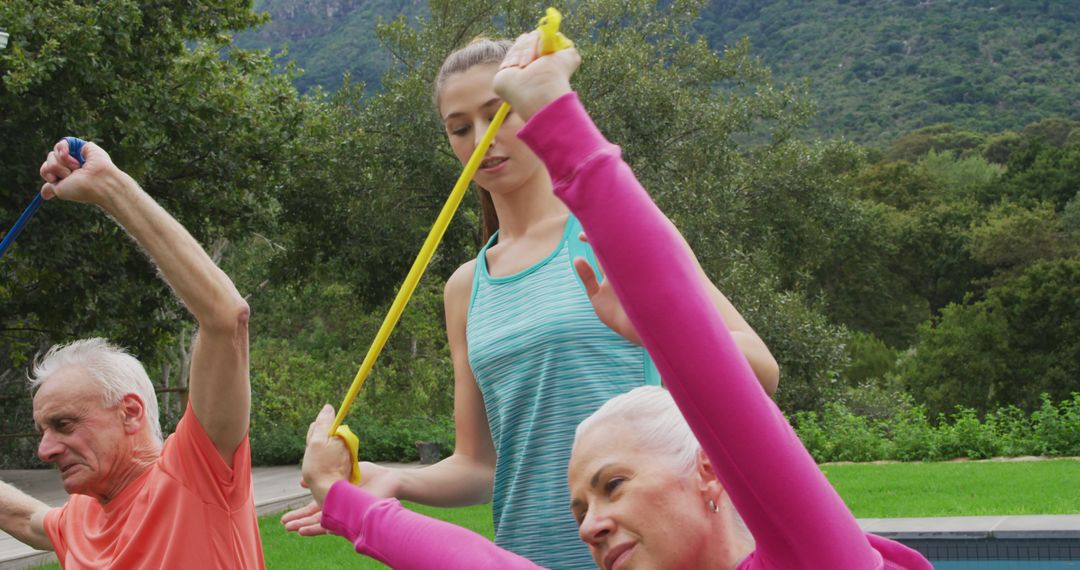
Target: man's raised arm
{"points": [[219, 388]]}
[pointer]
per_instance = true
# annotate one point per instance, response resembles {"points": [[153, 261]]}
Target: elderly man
{"points": [[135, 501]]}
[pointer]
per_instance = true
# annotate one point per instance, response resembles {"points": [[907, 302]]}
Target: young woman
{"points": [[645, 492], [531, 356]]}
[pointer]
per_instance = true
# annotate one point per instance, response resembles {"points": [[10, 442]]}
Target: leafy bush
{"points": [[1013, 431], [407, 398], [813, 436], [839, 435], [854, 438], [1057, 428], [396, 440], [912, 435], [966, 436], [289, 386], [870, 358]]}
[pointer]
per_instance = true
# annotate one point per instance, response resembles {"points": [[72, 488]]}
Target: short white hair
{"points": [[117, 372], [653, 416], [651, 413]]}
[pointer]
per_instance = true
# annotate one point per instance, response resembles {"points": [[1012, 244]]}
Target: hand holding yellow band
{"points": [[353, 444]]}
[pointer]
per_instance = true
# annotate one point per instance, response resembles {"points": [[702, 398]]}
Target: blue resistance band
{"points": [[74, 149]]}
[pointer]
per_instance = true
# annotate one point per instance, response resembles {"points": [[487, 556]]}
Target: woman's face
{"points": [[467, 104], [635, 509]]}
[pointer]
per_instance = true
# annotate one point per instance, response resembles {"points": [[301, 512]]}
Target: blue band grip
{"points": [[75, 145]]}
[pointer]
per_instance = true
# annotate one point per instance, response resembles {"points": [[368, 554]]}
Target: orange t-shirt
{"points": [[188, 510]]}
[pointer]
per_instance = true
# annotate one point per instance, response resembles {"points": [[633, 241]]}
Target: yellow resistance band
{"points": [[551, 41]]}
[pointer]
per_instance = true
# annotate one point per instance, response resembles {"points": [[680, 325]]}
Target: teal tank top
{"points": [[543, 361]]}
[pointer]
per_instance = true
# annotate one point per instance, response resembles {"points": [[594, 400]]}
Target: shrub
{"points": [[288, 387], [966, 437], [914, 439], [855, 438], [396, 440], [870, 358], [1013, 431], [1058, 428], [837, 434], [810, 432]]}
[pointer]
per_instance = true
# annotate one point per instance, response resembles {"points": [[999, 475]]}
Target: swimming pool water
{"points": [[1006, 564], [1000, 554]]}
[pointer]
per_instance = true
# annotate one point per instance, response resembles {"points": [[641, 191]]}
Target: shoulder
{"points": [[459, 286], [56, 521]]}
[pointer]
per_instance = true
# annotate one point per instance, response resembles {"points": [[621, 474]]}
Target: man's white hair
{"points": [[117, 372]]}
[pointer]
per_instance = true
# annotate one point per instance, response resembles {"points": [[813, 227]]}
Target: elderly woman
{"points": [[650, 488]]}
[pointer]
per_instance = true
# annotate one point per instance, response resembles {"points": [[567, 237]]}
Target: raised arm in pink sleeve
{"points": [[796, 517], [400, 538]]}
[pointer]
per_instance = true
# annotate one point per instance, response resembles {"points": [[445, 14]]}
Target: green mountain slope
{"points": [[881, 68], [328, 38], [877, 68]]}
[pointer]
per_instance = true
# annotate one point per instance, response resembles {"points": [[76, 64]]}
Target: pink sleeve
{"points": [[400, 538], [795, 515]]}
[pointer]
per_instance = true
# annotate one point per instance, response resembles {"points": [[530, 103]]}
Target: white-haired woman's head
{"points": [[117, 372], [643, 490]]}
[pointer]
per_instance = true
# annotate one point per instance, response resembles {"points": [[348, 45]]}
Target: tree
{"points": [[938, 138], [1020, 341], [1013, 236], [199, 126], [198, 130], [1040, 172]]}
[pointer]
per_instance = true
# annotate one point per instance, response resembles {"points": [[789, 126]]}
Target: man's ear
{"points": [[133, 413]]}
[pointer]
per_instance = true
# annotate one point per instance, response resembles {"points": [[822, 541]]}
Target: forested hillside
{"points": [[876, 68], [879, 68], [328, 38]]}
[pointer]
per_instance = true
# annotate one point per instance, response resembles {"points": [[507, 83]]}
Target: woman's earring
{"points": [[713, 507]]}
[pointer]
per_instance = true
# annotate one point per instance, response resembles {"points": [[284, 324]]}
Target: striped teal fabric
{"points": [[544, 362]]}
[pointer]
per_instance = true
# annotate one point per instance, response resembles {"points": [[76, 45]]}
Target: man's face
{"points": [[84, 438]]}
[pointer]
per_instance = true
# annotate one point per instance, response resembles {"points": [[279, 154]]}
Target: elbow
{"points": [[761, 360], [231, 319], [768, 374], [238, 315], [483, 482], [480, 474]]}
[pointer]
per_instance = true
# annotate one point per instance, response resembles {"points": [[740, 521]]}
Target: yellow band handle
{"points": [[551, 39], [353, 444]]}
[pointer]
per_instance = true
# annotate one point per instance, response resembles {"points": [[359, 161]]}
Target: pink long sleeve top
{"points": [[797, 519]]}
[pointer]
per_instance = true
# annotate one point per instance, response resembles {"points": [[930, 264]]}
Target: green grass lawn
{"points": [[870, 490], [958, 489], [284, 550]]}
